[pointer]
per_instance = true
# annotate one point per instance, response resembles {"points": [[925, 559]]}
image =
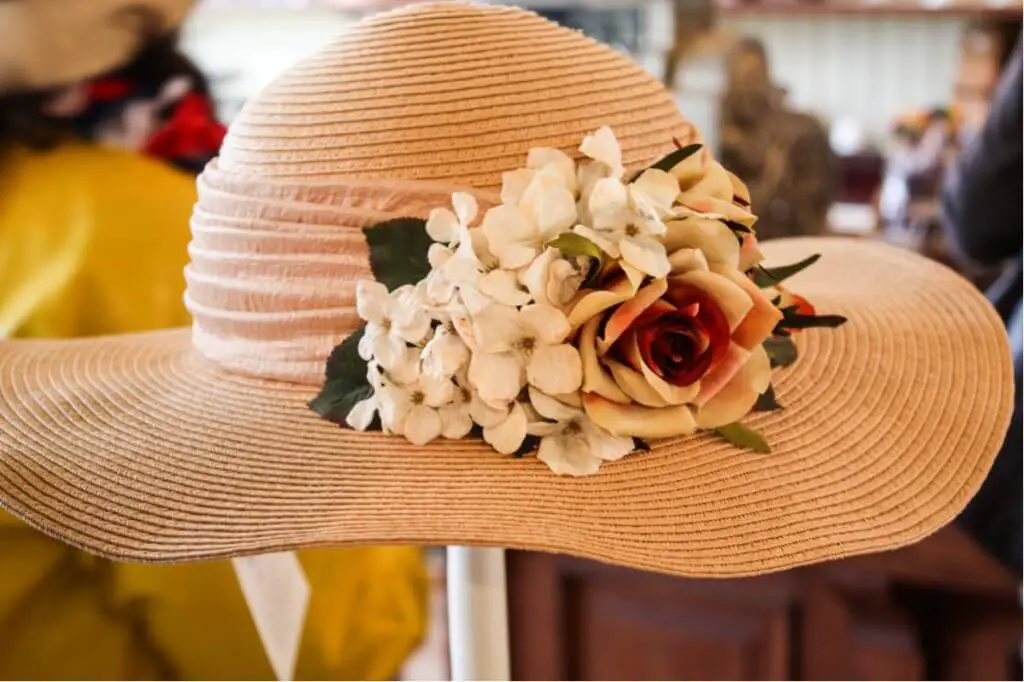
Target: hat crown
{"points": [[387, 121]]}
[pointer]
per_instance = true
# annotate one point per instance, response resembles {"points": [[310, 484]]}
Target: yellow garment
{"points": [[92, 241]]}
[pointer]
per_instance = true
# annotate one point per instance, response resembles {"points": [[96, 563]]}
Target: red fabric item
{"points": [[108, 90], [192, 131]]}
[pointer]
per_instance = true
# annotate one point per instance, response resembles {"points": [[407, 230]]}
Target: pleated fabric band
{"points": [[271, 285]]}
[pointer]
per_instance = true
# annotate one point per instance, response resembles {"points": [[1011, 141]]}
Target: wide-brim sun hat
{"points": [[199, 444]]}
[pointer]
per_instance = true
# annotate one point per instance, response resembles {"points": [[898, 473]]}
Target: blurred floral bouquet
{"points": [[583, 314]]}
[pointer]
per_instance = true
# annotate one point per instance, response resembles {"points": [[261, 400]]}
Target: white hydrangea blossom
{"points": [[484, 340]]}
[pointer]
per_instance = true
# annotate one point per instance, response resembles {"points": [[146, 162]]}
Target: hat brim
{"points": [[136, 448]]}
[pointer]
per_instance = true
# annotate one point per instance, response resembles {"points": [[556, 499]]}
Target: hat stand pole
{"points": [[477, 614]]}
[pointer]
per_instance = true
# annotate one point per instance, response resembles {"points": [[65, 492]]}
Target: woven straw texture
{"points": [[174, 447], [137, 448]]}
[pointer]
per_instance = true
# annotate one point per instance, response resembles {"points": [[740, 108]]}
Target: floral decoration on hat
{"points": [[579, 317]]}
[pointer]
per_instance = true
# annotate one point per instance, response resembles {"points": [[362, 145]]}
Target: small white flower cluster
{"points": [[485, 338]]}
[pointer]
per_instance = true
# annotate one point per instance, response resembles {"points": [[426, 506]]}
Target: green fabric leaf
{"points": [[767, 401], [793, 320], [573, 245], [781, 351], [345, 382], [769, 277], [671, 160], [398, 251], [744, 437]]}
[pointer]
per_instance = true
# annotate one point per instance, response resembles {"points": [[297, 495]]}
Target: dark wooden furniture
{"points": [[936, 610]]}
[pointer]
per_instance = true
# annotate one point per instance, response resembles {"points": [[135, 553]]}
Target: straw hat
{"points": [[198, 444], [50, 43]]}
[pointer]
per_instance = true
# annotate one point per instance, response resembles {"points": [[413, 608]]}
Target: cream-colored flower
{"points": [[362, 413], [413, 410], [555, 167], [446, 353], [447, 227], [552, 279], [602, 146], [393, 321], [516, 347], [571, 443], [516, 233]]}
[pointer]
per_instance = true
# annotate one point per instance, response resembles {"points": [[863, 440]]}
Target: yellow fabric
{"points": [[93, 241]]}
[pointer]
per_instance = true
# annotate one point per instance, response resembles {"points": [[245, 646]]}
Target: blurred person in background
{"points": [[981, 206], [103, 126]]}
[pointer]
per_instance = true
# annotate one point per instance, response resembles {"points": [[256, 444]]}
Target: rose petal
{"points": [[750, 254], [685, 260], [422, 425], [722, 372], [507, 436], [555, 369], [740, 193], [596, 378], [443, 225], [763, 316], [735, 400], [590, 303], [646, 254], [716, 183], [633, 384], [711, 237], [703, 203], [497, 377], [660, 187], [691, 169], [627, 313], [637, 421], [732, 300], [673, 395]]}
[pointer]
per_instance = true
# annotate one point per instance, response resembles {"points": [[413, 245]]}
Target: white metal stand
{"points": [[478, 614]]}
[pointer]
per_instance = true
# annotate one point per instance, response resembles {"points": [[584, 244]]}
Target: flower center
{"points": [[632, 230], [385, 324], [466, 395], [573, 428], [417, 397], [526, 344]]}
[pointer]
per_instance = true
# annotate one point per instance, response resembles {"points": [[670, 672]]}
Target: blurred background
{"points": [[843, 116]]}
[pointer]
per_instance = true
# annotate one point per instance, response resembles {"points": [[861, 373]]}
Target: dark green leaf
{"points": [[530, 443], [769, 277], [781, 351], [641, 445], [796, 321], [345, 383], [398, 251], [737, 227], [671, 160], [744, 437], [767, 401]]}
